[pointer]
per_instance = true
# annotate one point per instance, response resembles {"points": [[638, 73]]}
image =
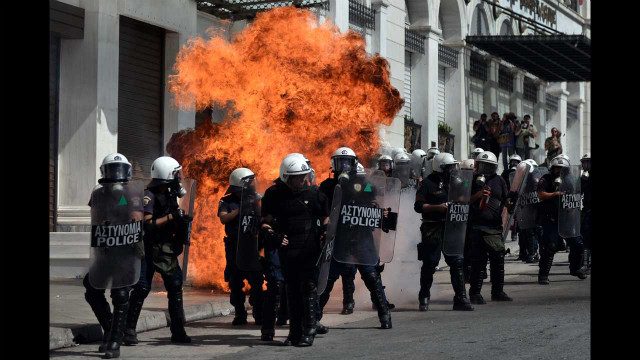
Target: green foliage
{"points": [[444, 128]]}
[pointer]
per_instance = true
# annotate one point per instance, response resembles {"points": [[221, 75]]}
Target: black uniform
{"points": [[162, 246], [102, 310], [435, 191], [550, 242], [486, 240], [298, 215], [234, 276]]}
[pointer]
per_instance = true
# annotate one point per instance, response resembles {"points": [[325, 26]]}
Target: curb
{"points": [[149, 320]]}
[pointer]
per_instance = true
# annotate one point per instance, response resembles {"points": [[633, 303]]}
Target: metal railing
{"points": [[361, 15], [505, 79], [448, 55], [478, 67], [552, 102], [414, 41], [530, 90], [572, 111]]}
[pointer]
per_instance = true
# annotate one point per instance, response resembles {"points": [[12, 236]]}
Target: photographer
{"points": [[506, 128], [552, 145], [482, 129], [525, 137]]}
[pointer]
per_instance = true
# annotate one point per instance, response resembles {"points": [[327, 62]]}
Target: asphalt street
{"points": [[544, 322]]}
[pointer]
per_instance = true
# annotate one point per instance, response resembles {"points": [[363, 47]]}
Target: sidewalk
{"points": [[72, 322]]}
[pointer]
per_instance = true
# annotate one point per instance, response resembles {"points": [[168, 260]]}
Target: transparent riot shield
{"points": [[360, 222], [402, 171], [391, 202], [518, 183], [570, 202], [455, 226], [528, 203], [324, 262], [427, 167], [186, 203], [247, 251], [116, 234]]}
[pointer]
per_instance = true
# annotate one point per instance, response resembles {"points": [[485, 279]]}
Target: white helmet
{"points": [[236, 178], [532, 163], [559, 161], [442, 160], [360, 169], [402, 158], [514, 160], [432, 152], [386, 158], [487, 163], [419, 153], [312, 174], [467, 164], [586, 156], [343, 159], [475, 152], [115, 167], [165, 169], [293, 165], [563, 156]]}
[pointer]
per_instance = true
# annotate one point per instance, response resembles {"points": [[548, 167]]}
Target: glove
{"points": [[177, 214]]}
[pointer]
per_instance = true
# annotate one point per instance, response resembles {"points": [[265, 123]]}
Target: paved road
{"points": [[544, 322]]}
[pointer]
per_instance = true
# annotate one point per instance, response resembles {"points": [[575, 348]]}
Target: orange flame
{"points": [[289, 85]]}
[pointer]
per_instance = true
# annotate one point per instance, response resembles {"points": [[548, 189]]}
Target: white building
{"points": [[110, 61]]}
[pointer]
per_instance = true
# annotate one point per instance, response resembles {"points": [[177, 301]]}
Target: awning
{"points": [[549, 57], [247, 9]]}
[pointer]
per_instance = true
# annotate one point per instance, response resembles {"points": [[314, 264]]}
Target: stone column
{"points": [[339, 12], [456, 106], [575, 128], [515, 104], [424, 90], [380, 38], [559, 119], [87, 111], [539, 121], [491, 87]]}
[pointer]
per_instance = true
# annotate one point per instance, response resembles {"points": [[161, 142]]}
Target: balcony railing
{"points": [[413, 41], [448, 56], [361, 15]]}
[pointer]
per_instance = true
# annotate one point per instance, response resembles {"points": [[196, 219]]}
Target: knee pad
{"points": [[120, 295], [308, 287], [140, 292], [458, 263]]}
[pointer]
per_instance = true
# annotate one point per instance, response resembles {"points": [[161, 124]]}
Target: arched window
{"points": [[479, 24], [506, 28]]}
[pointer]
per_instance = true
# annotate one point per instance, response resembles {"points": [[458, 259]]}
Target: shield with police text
{"points": [[391, 203], [455, 226], [248, 253], [570, 202], [528, 202], [402, 171], [324, 261], [116, 234], [186, 203], [518, 183], [361, 220]]}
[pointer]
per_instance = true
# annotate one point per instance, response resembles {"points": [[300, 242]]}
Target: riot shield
{"points": [[416, 170], [247, 252], [360, 223], [402, 171], [455, 226], [570, 201], [187, 203], [527, 206], [390, 202], [518, 183], [324, 261], [116, 234], [427, 167]]}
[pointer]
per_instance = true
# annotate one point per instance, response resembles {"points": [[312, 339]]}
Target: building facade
{"points": [[110, 61]]}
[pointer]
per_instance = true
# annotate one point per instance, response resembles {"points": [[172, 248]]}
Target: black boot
{"points": [[136, 300], [546, 260], [176, 312], [348, 288], [112, 348], [478, 267], [309, 299], [460, 301], [102, 311], [294, 308], [270, 308], [240, 317], [531, 251], [283, 312], [374, 284], [424, 303], [497, 278]]}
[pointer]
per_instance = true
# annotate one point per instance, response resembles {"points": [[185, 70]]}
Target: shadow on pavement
{"points": [[214, 339], [94, 354]]}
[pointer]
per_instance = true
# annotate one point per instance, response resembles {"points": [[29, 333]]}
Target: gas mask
{"points": [[481, 180], [557, 182], [176, 188]]}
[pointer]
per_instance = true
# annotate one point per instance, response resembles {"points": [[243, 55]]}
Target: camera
{"points": [[525, 125]]}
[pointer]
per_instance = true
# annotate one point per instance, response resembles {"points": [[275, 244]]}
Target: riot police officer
{"points": [[115, 170], [585, 229], [487, 202], [294, 216], [514, 160], [528, 238], [344, 165], [385, 163], [476, 152], [431, 202], [163, 222], [228, 211], [549, 193]]}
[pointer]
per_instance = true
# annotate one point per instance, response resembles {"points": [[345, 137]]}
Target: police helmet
{"points": [[432, 152], [444, 162], [115, 167], [559, 162], [467, 164], [291, 166], [487, 163], [164, 170], [401, 158], [475, 152], [419, 153], [343, 160], [237, 177], [385, 159], [514, 160]]}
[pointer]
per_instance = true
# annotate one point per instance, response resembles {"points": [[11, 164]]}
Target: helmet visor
{"points": [[384, 164], [298, 182], [447, 169], [116, 171], [486, 168], [345, 164], [514, 163]]}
